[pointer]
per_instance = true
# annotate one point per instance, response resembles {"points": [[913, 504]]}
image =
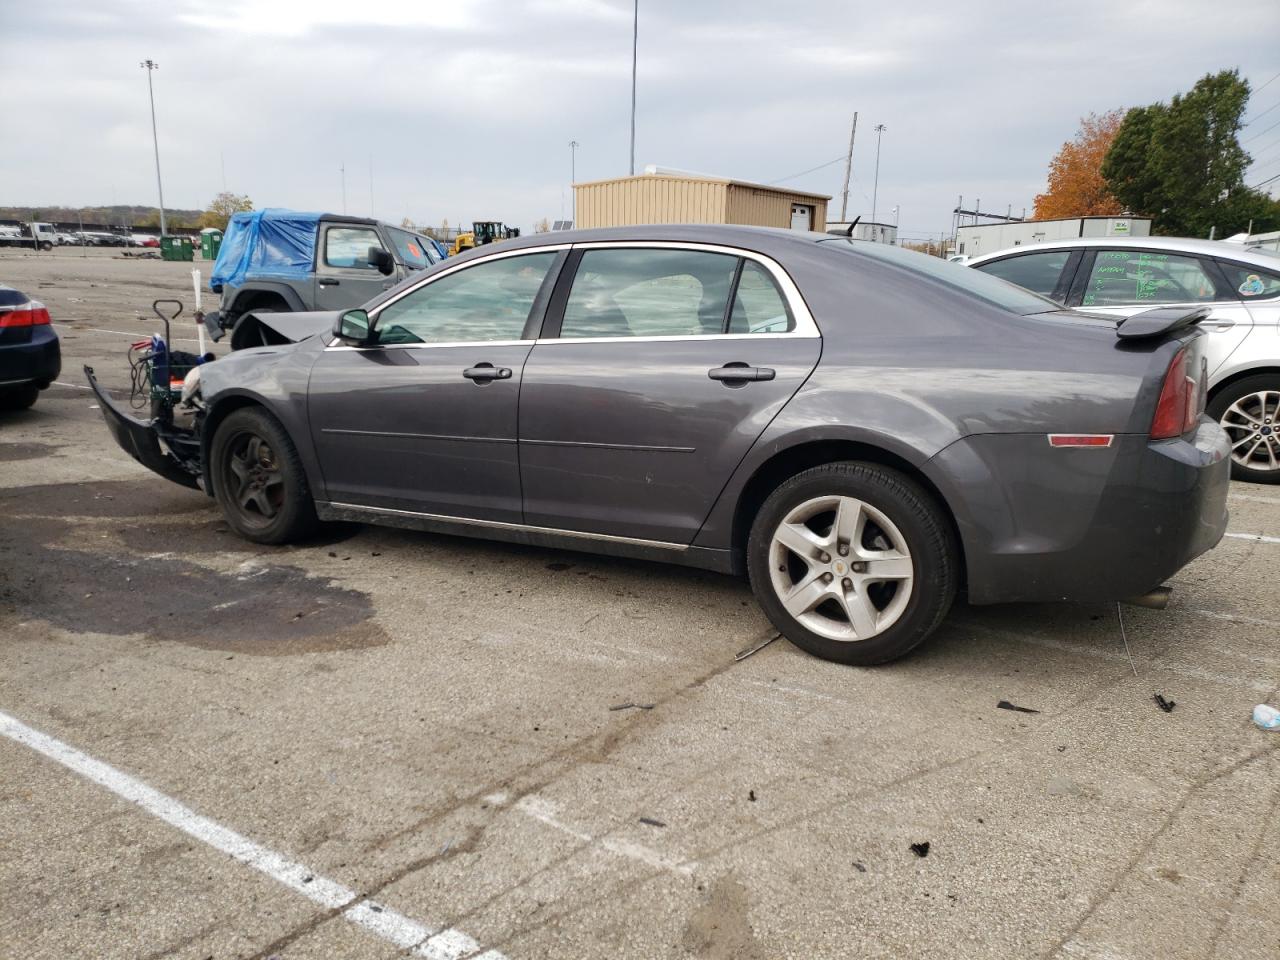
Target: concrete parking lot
{"points": [[387, 743]]}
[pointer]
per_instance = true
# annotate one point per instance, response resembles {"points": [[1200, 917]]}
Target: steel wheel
{"points": [[254, 478], [1253, 424], [841, 568]]}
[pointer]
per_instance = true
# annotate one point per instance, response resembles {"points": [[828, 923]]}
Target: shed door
{"points": [[801, 217]]}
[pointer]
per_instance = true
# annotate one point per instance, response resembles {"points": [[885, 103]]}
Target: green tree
{"points": [[1182, 162], [221, 209]]}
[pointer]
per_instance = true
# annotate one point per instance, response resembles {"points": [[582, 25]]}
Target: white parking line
{"points": [[135, 334], [73, 386], [407, 934], [1252, 536], [1252, 499]]}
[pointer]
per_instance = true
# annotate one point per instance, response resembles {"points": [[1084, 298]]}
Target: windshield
{"points": [[975, 283], [417, 252]]}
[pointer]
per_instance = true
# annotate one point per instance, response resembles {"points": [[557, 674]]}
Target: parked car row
{"points": [[1239, 288]]}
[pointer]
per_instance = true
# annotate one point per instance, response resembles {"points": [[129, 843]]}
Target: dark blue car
{"points": [[30, 356]]}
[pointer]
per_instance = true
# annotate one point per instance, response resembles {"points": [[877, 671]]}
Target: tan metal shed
{"points": [[684, 198]]}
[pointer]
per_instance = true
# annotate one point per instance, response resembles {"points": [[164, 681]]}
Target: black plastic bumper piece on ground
{"points": [[139, 438]]}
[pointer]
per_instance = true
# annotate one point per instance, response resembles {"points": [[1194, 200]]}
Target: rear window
{"points": [[10, 297], [1251, 283], [974, 283]]}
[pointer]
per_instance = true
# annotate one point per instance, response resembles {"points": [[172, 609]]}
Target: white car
{"points": [[1120, 277]]}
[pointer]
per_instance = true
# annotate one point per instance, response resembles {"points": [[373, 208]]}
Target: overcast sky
{"points": [[465, 110]]}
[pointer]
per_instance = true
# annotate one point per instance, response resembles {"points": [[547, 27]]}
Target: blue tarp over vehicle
{"points": [[266, 243]]}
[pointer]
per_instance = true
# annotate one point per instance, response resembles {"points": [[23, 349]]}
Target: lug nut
{"points": [[858, 567], [827, 577], [844, 549], [824, 557], [847, 583]]}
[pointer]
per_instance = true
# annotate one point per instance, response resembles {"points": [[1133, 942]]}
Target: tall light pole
{"points": [[635, 46], [848, 170], [895, 223], [573, 176], [875, 190], [150, 65]]}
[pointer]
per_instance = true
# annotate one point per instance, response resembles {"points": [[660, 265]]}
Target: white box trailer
{"points": [[973, 241]]}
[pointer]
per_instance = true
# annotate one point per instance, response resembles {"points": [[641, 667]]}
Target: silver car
{"points": [[1121, 277]]}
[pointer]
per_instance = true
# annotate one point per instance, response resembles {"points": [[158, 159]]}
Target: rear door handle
{"points": [[484, 372], [740, 373], [328, 282]]}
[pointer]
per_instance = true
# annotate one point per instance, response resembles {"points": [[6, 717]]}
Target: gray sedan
{"points": [[861, 430]]}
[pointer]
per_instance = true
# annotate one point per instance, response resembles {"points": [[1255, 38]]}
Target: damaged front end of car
{"points": [[169, 384]]}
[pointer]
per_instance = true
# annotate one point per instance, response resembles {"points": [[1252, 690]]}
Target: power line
{"points": [[1262, 134], [1263, 183], [803, 172], [1262, 114], [1264, 86]]}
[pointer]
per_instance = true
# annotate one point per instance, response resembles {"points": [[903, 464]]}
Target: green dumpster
{"points": [[176, 248], [210, 244]]}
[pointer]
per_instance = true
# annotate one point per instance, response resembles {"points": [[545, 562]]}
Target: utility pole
{"points": [[875, 190], [895, 224], [573, 176], [371, 213], [343, 171], [150, 65], [848, 171], [635, 46]]}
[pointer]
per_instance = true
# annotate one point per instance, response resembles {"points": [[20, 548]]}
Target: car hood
{"points": [[270, 329]]}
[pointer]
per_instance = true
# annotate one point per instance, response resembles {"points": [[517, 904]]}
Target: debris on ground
{"points": [[1006, 705], [1165, 705], [860, 867], [920, 849], [743, 654], [632, 706], [751, 795], [652, 822], [1266, 716]]}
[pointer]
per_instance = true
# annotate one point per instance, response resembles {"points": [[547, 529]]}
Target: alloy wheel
{"points": [[256, 477], [1253, 424], [841, 568]]}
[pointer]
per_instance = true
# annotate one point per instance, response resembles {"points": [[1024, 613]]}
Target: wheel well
{"points": [[258, 299], [786, 464], [210, 426], [1241, 375]]}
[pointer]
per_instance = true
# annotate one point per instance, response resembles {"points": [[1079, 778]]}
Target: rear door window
{"points": [[1125, 277], [648, 293], [1250, 283], [1038, 272]]}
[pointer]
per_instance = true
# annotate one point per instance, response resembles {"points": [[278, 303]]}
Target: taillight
{"points": [[30, 314], [1178, 408]]}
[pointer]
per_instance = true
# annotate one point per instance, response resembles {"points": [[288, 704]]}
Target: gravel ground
{"points": [[434, 724]]}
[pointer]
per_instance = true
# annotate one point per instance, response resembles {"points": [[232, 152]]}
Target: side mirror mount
{"points": [[382, 260], [355, 327]]}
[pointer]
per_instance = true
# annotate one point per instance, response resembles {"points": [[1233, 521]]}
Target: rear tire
{"points": [[18, 398], [1249, 411], [258, 479], [880, 598]]}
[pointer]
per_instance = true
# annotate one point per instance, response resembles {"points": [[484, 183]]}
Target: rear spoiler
{"points": [[1159, 321]]}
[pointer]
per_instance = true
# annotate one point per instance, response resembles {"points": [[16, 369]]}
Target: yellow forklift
{"points": [[482, 232]]}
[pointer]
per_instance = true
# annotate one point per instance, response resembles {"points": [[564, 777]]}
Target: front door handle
{"points": [[738, 372], [484, 372], [328, 282]]}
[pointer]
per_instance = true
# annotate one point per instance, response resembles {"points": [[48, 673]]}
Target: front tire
{"points": [[258, 479], [853, 562], [1249, 411]]}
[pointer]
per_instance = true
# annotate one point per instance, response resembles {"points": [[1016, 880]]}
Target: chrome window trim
{"points": [[503, 525], [806, 327]]}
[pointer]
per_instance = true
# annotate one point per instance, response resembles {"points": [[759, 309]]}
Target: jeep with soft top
{"points": [[285, 261]]}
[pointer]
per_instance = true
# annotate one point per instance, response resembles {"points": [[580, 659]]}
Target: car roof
{"points": [[1205, 248], [760, 239]]}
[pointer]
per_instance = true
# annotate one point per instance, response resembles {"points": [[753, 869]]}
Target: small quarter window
{"points": [[1251, 283], [758, 306]]}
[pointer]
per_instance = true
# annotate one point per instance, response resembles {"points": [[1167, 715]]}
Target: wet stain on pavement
{"points": [[102, 498], [25, 451], [262, 608]]}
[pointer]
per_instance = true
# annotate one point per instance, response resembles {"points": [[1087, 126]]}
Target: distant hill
{"points": [[115, 216]]}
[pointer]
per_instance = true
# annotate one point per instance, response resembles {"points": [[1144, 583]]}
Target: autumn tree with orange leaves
{"points": [[1076, 187]]}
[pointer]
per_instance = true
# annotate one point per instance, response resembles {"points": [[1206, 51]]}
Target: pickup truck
{"points": [[282, 261], [35, 234]]}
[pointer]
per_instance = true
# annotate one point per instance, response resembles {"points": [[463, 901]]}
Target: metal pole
{"points": [[573, 176], [635, 45], [848, 171], [875, 190], [343, 170], [371, 213], [150, 65]]}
